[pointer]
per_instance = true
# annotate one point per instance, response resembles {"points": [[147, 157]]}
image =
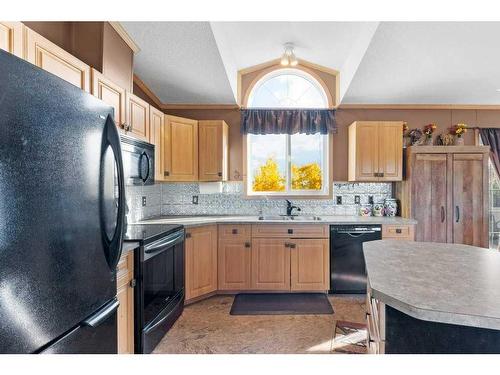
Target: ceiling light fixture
{"points": [[288, 57]]}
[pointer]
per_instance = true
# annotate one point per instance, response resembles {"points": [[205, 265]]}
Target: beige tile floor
{"points": [[207, 327]]}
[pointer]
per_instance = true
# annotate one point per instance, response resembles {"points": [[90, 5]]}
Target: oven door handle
{"points": [[164, 243]]}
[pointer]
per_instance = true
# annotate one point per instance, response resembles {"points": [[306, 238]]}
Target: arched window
{"points": [[282, 164], [287, 88]]}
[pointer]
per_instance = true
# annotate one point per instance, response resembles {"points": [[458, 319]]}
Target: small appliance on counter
{"points": [[159, 274], [347, 263]]}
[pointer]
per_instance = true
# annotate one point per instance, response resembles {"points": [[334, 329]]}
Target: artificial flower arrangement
{"points": [[459, 130], [429, 129]]}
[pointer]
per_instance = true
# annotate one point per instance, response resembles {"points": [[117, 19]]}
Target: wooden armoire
{"points": [[445, 189]]}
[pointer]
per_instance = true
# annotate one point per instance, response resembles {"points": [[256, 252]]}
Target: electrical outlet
{"points": [[195, 199], [370, 199], [357, 199], [339, 199], [143, 201]]}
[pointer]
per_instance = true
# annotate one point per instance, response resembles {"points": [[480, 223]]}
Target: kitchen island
{"points": [[427, 297]]}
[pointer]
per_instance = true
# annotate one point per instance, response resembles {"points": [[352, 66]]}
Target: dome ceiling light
{"points": [[288, 58]]}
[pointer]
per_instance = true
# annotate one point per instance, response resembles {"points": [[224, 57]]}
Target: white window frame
{"points": [[325, 168]]}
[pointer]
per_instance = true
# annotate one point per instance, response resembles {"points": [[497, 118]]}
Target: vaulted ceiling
{"points": [[379, 63]]}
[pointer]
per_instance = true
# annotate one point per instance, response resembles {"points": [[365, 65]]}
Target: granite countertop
{"points": [[203, 220], [447, 283]]}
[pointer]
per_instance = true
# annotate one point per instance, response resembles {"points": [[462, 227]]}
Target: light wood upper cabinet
{"points": [[270, 264], [213, 150], [375, 151], [125, 295], [11, 37], [52, 58], [201, 261], [180, 151], [111, 94], [310, 264], [156, 121], [137, 117]]}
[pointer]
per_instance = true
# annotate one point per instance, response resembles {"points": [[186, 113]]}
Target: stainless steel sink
{"points": [[289, 218]]}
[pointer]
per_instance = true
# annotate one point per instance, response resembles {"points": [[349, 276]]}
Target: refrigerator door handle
{"points": [[112, 139], [102, 315]]}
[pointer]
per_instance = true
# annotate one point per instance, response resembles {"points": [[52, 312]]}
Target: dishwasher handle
{"points": [[353, 234]]}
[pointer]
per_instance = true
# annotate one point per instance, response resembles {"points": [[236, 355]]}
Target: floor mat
{"points": [[349, 338], [281, 304]]}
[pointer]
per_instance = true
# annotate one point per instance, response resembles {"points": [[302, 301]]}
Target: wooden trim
{"points": [[148, 91], [447, 149], [125, 36], [167, 106], [420, 106]]}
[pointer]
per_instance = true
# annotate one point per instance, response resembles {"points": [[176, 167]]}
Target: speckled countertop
{"points": [[438, 282], [203, 220]]}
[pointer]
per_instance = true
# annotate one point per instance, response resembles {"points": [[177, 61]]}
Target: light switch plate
{"points": [[339, 199], [195, 199], [143, 201], [357, 199]]}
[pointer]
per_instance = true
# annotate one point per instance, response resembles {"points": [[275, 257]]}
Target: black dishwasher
{"points": [[347, 263]]}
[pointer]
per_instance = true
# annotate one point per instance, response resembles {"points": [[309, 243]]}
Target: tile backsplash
{"points": [[177, 199]]}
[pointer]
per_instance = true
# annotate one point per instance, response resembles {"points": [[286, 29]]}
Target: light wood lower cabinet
{"points": [[125, 295], [234, 270], [52, 58], [310, 264], [11, 37], [270, 264], [201, 261], [398, 232]]}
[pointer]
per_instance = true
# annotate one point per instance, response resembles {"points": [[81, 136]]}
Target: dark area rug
{"points": [[281, 304]]}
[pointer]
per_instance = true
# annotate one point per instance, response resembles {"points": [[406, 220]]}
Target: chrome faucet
{"points": [[290, 207]]}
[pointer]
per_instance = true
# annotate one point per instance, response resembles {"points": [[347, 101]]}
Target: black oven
{"points": [[160, 289], [138, 161]]}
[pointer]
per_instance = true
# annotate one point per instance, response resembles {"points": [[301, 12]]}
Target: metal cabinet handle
{"points": [[399, 230], [132, 283], [166, 173], [457, 211], [234, 231], [442, 214], [248, 244], [287, 244], [219, 174], [188, 235], [290, 231], [292, 246]]}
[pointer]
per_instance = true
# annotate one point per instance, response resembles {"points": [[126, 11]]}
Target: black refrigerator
{"points": [[61, 215]]}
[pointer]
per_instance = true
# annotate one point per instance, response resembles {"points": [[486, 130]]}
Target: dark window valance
{"points": [[288, 121]]}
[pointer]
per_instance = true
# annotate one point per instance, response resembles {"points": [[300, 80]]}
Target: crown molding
{"points": [[167, 106], [147, 91], [124, 35], [421, 106]]}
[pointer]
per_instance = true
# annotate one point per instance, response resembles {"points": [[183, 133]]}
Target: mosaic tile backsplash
{"points": [[176, 199]]}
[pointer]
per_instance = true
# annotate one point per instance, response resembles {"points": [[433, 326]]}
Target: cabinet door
{"points": [[52, 58], [270, 264], [201, 261], [310, 264], [156, 137], [234, 265], [367, 150], [470, 197], [213, 160], [137, 117], [429, 191], [111, 94], [11, 37], [390, 151], [125, 295], [181, 149]]}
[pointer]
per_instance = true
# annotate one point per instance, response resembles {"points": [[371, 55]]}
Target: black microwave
{"points": [[138, 161]]}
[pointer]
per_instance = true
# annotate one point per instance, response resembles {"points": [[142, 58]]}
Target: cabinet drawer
{"points": [[290, 230], [403, 232], [235, 232]]}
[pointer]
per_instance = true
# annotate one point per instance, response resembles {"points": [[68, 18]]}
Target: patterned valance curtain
{"points": [[491, 137], [288, 121]]}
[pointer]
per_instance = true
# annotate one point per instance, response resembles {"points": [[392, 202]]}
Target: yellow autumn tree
{"points": [[306, 177], [268, 177]]}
